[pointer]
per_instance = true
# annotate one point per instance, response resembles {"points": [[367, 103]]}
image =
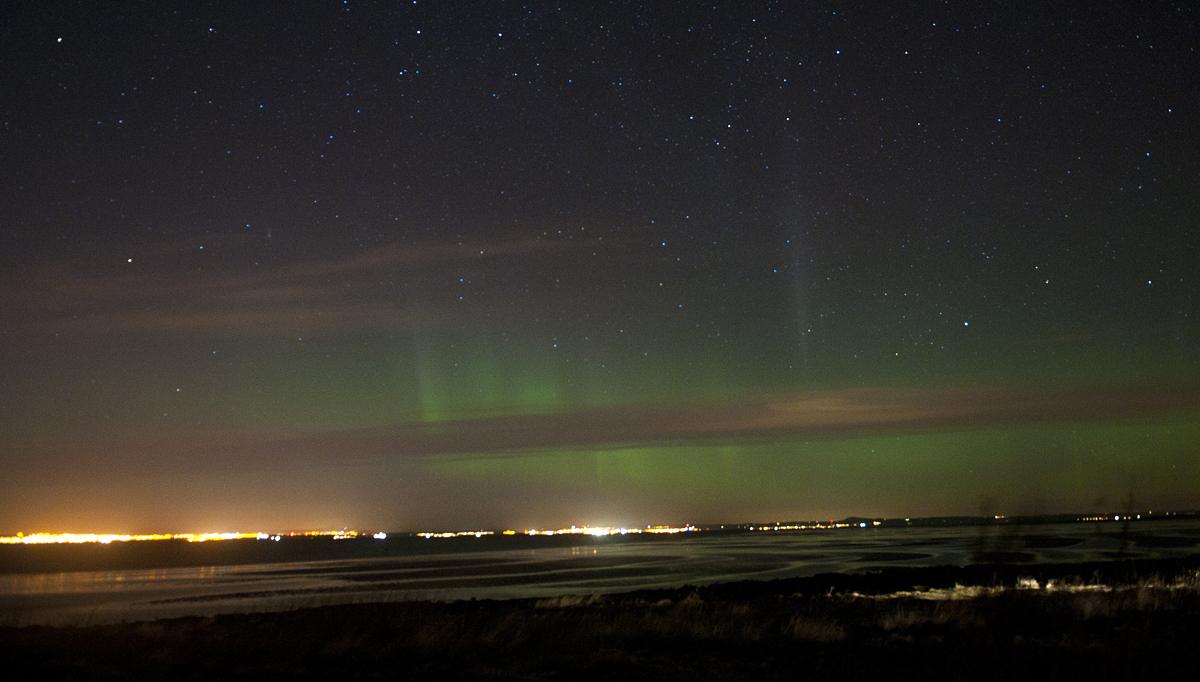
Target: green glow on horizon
{"points": [[1034, 468]]}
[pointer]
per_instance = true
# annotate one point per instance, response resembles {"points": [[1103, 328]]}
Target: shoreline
{"points": [[1111, 619]]}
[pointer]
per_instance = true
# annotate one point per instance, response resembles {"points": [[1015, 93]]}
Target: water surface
{"points": [[176, 579]]}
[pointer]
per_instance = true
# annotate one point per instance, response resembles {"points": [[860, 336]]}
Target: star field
{"points": [[252, 247]]}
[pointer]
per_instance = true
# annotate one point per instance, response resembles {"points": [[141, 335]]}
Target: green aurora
{"points": [[524, 266]]}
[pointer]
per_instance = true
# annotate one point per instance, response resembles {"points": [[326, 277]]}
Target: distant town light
{"points": [[109, 538]]}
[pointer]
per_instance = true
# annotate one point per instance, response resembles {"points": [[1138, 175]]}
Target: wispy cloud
{"points": [[354, 292], [768, 418], [800, 416]]}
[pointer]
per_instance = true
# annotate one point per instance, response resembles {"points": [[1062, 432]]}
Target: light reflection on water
{"points": [[108, 581], [116, 595]]}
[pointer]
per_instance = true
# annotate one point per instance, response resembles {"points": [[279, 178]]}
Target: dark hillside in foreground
{"points": [[1117, 620]]}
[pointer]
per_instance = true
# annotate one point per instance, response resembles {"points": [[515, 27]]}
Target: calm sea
{"points": [[136, 581]]}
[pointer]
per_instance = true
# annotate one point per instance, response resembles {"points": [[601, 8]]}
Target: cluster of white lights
{"points": [[455, 534], [599, 531], [596, 531], [817, 526]]}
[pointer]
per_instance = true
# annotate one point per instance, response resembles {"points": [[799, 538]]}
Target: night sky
{"points": [[413, 265]]}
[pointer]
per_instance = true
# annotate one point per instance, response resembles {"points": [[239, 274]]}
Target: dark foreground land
{"points": [[1116, 620]]}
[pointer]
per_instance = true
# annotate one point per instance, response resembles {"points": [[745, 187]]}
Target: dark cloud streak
{"points": [[769, 418]]}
